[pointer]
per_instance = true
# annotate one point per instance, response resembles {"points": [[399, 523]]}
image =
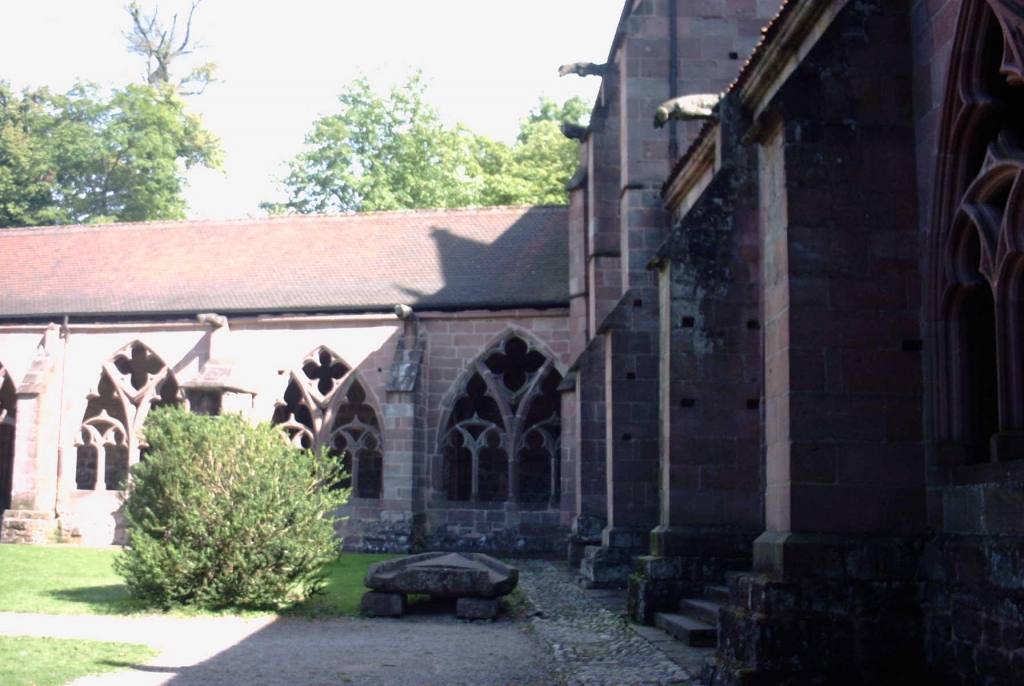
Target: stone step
{"points": [[688, 630], [717, 594], [702, 610]]}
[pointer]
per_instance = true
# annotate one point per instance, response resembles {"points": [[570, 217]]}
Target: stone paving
{"points": [[573, 637], [591, 639]]}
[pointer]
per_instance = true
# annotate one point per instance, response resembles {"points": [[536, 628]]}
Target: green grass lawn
{"points": [[344, 587], [29, 661], [65, 580], [61, 580]]}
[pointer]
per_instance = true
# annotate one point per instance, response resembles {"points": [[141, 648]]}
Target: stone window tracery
{"points": [[502, 438], [8, 398], [326, 407], [132, 382], [978, 261]]}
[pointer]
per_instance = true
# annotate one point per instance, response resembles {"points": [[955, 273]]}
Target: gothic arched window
{"points": [[501, 440], [977, 261], [8, 397], [325, 407], [132, 382]]}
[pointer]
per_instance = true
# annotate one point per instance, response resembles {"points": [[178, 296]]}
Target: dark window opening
{"points": [[981, 376], [482, 450], [8, 397], [324, 408]]}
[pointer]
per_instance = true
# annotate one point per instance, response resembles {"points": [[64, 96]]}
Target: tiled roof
{"points": [[430, 259]]}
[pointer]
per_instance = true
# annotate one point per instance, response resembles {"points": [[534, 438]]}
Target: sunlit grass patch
{"points": [[31, 661], [68, 580]]}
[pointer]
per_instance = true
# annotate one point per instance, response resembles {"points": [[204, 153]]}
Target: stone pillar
{"points": [[631, 439], [402, 500], [835, 588], [711, 491], [591, 504], [32, 516], [602, 228]]}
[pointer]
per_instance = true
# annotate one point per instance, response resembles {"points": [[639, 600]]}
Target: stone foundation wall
{"points": [[496, 530], [834, 632], [391, 532], [973, 609]]}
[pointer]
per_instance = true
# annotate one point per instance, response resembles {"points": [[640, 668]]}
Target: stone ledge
{"points": [[33, 527], [791, 556]]}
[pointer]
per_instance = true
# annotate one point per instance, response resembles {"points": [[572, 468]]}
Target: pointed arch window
{"points": [[326, 407], [501, 441], [978, 259], [8, 398], [132, 382]]}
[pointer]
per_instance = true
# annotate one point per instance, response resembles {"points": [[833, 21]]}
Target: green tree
{"points": [[536, 168], [381, 152], [82, 157], [27, 170], [393, 152], [223, 513]]}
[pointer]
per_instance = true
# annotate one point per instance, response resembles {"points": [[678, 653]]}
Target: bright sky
{"points": [[283, 63]]}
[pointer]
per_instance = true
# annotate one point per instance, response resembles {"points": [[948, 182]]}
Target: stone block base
{"points": [[605, 567], [819, 631], [375, 604], [28, 526], [476, 608], [974, 608], [661, 582], [648, 597], [577, 549]]}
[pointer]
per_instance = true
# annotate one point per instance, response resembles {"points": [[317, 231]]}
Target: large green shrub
{"points": [[223, 513]]}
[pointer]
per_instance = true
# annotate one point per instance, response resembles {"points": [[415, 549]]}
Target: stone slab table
{"points": [[475, 580]]}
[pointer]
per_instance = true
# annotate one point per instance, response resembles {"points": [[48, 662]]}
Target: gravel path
{"points": [[562, 637]]}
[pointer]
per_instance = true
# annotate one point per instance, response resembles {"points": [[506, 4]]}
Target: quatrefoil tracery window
{"points": [[8, 397], [132, 382], [980, 229], [325, 407], [509, 407]]}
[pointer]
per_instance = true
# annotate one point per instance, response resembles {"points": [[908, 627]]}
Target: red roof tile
{"points": [[436, 259]]}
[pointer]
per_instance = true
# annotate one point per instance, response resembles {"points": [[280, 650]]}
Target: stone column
{"points": [[402, 500], [590, 514], [835, 588], [32, 516], [631, 439]]}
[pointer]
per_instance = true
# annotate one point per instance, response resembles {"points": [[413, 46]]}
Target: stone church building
{"points": [[768, 361]]}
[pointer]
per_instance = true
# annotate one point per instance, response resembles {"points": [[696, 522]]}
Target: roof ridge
{"points": [[303, 218]]}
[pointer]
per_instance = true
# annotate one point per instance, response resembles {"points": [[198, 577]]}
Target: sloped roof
{"points": [[433, 259]]}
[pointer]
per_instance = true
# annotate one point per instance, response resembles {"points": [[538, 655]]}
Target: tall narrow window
{"points": [[502, 437], [132, 382], [325, 407], [978, 259], [8, 397]]}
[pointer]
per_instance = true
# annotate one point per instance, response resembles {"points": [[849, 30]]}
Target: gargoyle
{"points": [[582, 69], [217, 321], [687, 108]]}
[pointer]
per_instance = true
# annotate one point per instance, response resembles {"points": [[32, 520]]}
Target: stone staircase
{"points": [[696, 623]]}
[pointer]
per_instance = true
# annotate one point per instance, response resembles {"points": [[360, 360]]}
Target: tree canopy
{"points": [[90, 155], [86, 157], [387, 152]]}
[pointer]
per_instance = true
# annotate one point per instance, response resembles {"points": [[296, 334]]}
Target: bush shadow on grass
{"points": [[109, 599]]}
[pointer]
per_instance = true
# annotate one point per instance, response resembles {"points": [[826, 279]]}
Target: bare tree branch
{"points": [[161, 48]]}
